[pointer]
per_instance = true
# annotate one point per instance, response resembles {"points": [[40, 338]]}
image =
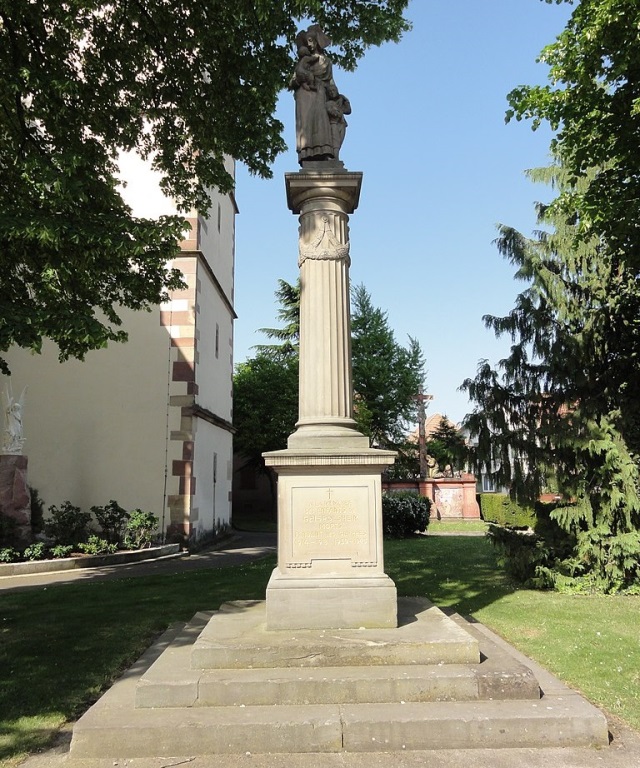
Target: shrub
{"points": [[501, 509], [140, 529], [7, 529], [112, 519], [35, 552], [8, 555], [60, 550], [97, 546], [37, 511], [404, 513], [68, 524]]}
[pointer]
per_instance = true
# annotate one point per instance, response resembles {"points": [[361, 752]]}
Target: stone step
{"points": [[107, 732], [174, 685], [236, 638], [116, 728]]}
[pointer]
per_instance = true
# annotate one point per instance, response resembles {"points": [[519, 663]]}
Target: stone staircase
{"points": [[225, 684]]}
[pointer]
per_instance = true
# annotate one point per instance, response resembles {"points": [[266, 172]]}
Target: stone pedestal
{"points": [[330, 570], [15, 499]]}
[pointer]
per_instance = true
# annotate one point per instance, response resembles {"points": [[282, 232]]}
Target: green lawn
{"points": [[60, 647]]}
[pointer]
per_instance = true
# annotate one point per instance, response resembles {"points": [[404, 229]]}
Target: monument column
{"points": [[330, 570], [324, 199]]}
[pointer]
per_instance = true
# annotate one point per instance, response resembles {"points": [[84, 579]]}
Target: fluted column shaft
{"points": [[324, 202]]}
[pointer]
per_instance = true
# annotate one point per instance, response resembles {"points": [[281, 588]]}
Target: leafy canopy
{"points": [[184, 84], [593, 102]]}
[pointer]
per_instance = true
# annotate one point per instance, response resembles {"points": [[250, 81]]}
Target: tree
{"points": [[447, 445], [563, 397], [593, 102], [288, 313], [183, 84], [265, 407], [266, 387], [386, 376]]}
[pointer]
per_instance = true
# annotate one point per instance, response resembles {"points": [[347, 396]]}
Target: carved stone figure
{"points": [[337, 107], [320, 122], [13, 437]]}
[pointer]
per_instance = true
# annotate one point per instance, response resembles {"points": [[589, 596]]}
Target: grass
{"points": [[457, 526], [60, 647]]}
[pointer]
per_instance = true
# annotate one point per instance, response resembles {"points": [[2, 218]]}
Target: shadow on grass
{"points": [[62, 646], [456, 572]]}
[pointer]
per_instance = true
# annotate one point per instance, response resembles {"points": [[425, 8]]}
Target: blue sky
{"points": [[441, 170]]}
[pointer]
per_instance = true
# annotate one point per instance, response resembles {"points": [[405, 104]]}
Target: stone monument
{"points": [[330, 571]]}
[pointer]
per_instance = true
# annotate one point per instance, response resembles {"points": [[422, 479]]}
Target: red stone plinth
{"points": [[15, 499], [453, 498]]}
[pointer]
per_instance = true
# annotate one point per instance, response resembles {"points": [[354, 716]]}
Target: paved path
{"points": [[242, 548]]}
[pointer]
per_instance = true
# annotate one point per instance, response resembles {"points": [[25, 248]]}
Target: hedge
{"points": [[501, 509]]}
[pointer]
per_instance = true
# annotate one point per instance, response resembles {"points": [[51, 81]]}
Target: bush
{"points": [[35, 552], [97, 546], [68, 524], [404, 513], [8, 555], [112, 519], [7, 529], [37, 511], [60, 551], [140, 529], [501, 509]]}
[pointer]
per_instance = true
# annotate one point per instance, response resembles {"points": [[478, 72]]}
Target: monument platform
{"points": [[224, 684]]}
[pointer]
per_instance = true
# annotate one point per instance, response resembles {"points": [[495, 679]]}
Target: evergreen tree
{"points": [[386, 376], [288, 296], [447, 445], [564, 399]]}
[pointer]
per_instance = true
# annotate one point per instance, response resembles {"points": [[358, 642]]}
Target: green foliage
{"points": [[288, 296], [37, 511], [386, 379], [7, 529], [140, 529], [501, 509], [184, 85], [265, 403], [404, 513], [592, 102], [564, 397], [9, 555], [97, 546], [112, 519], [35, 551], [60, 551], [386, 376], [447, 445], [67, 524]]}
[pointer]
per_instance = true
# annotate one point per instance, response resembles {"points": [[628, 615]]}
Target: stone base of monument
{"points": [[226, 684], [15, 499], [330, 570]]}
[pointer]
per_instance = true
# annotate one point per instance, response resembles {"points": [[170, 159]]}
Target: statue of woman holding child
{"points": [[320, 108]]}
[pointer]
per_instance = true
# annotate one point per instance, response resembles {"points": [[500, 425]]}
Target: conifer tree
{"points": [[564, 397]]}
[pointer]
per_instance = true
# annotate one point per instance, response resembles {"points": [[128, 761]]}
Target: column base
{"points": [[369, 602]]}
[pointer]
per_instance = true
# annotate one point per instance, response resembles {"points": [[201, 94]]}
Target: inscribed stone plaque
{"points": [[332, 523]]}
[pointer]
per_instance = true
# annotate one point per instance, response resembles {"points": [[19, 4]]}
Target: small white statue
{"points": [[13, 436]]}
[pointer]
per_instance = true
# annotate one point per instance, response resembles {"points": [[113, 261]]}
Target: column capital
{"points": [[306, 185]]}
